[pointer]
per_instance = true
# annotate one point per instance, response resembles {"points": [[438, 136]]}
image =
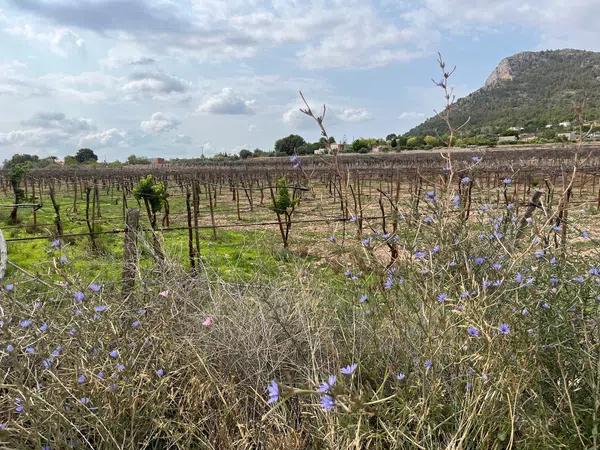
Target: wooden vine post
{"points": [[132, 227], [3, 256]]}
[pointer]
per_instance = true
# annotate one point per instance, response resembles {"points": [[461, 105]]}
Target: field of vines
{"points": [[412, 300]]}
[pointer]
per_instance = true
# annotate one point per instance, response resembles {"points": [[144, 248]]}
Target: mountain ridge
{"points": [[528, 89]]}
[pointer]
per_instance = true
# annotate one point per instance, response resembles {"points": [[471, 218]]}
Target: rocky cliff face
{"points": [[501, 73]]}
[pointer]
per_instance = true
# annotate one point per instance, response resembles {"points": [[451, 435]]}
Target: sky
{"points": [[189, 77]]}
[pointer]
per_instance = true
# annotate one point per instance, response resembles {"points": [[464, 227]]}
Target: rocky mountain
{"points": [[530, 90]]}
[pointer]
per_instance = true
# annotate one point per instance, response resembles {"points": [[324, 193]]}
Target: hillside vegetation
{"points": [[531, 90]]}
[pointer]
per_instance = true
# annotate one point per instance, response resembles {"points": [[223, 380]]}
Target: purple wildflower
{"points": [[100, 375], [430, 195], [349, 369], [579, 279], [9, 287], [25, 323], [428, 219], [79, 296], [44, 327], [519, 277], [273, 390], [3, 426], [160, 373], [120, 367], [456, 201], [539, 254], [81, 379], [442, 297], [353, 218], [30, 350], [94, 287], [327, 402], [84, 400], [114, 354], [473, 332], [136, 324], [326, 386], [435, 249], [295, 160], [47, 363], [504, 328], [389, 282], [479, 260], [465, 180], [363, 298], [507, 181], [554, 280], [428, 364], [476, 159], [419, 254], [400, 376], [55, 243], [100, 308], [545, 305], [585, 234], [497, 266], [10, 348]]}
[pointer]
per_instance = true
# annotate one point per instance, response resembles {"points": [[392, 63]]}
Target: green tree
{"points": [[154, 194], [137, 160], [394, 143], [284, 205], [390, 137], [414, 141], [289, 144], [245, 154], [432, 141], [85, 155]]}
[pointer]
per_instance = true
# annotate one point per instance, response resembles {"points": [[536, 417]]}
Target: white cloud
{"points": [[34, 138], [57, 120], [334, 115], [47, 129], [159, 123], [354, 115], [411, 115], [155, 85], [106, 138], [227, 102]]}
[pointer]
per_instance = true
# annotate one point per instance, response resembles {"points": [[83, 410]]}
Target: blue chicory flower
{"points": [[273, 390], [327, 402], [349, 369], [473, 332], [326, 386]]}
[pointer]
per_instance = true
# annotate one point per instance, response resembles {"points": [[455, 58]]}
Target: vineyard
{"points": [[200, 201], [412, 300]]}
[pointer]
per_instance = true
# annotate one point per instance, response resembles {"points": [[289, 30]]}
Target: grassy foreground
{"points": [[481, 335]]}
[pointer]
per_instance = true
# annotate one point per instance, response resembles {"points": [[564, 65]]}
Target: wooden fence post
{"points": [[130, 250], [3, 256]]}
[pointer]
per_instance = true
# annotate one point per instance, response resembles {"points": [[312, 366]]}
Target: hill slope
{"points": [[529, 89]]}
